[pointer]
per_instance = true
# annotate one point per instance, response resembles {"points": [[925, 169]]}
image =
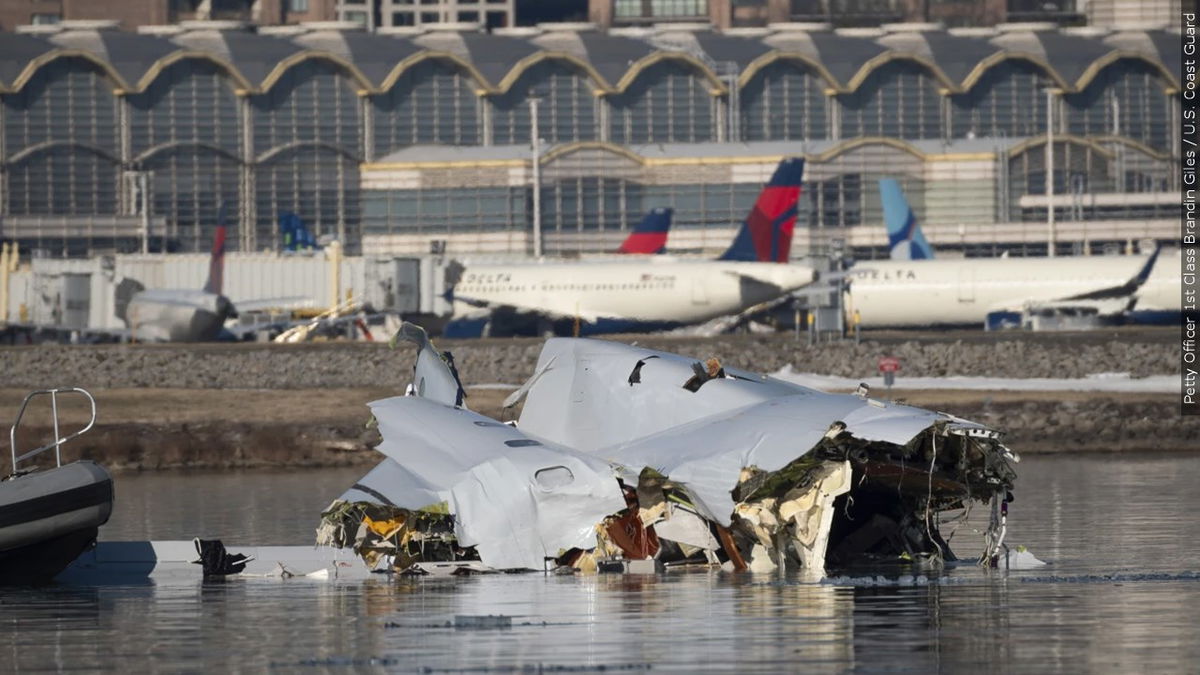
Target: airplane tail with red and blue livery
{"points": [[766, 234], [216, 264], [650, 235]]}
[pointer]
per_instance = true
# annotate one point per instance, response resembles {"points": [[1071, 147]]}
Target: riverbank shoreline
{"points": [[156, 429], [246, 405]]}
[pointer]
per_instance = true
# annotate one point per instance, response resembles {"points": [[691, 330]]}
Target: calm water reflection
{"points": [[1120, 596]]}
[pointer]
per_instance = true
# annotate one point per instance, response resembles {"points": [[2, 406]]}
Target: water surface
{"points": [[1120, 595]]}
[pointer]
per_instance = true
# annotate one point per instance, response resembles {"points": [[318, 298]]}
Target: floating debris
{"points": [[627, 459], [487, 621]]}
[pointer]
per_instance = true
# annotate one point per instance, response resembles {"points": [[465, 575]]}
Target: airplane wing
{"points": [[1125, 290], [556, 309], [293, 302], [762, 276], [1108, 301]]}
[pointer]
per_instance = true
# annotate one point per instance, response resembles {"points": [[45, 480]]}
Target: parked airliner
{"points": [[650, 293], [907, 291], [179, 314]]}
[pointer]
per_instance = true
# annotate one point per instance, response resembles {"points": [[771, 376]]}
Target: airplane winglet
{"points": [[1144, 273], [1126, 289]]}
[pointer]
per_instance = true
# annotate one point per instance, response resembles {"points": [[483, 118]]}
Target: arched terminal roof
{"points": [[845, 59]]}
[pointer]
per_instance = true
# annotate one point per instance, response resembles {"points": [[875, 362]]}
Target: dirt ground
{"points": [[314, 406]]}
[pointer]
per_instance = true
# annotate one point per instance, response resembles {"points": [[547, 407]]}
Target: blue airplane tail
{"points": [[905, 238], [296, 236]]}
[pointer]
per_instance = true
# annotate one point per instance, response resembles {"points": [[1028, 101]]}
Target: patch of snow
{"points": [[1100, 382]]}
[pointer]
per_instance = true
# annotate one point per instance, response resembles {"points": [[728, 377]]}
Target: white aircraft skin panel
{"points": [[684, 292], [701, 439], [930, 292], [492, 477], [588, 383]]}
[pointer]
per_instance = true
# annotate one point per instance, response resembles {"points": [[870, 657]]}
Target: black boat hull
{"points": [[39, 563], [47, 518]]}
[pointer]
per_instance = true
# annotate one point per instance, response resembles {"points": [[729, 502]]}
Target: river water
{"points": [[1121, 593]]}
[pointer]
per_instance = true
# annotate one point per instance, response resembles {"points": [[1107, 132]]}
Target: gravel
{"points": [[252, 366]]}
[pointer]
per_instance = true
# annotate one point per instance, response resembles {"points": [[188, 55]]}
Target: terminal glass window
{"points": [[667, 103], [1008, 101], [581, 204], [1127, 99], [898, 100], [784, 102], [566, 109], [444, 211], [433, 102], [835, 202]]}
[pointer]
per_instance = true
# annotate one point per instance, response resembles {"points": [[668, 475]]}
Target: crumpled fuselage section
{"points": [[626, 454]]}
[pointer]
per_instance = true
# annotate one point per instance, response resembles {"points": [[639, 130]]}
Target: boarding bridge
{"points": [[82, 294]]}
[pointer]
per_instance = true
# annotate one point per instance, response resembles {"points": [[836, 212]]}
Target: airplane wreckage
{"points": [[629, 458]]}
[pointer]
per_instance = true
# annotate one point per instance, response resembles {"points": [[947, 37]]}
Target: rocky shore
{"points": [[247, 406], [305, 366]]}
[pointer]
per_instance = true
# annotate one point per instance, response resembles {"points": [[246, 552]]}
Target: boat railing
{"points": [[58, 438]]}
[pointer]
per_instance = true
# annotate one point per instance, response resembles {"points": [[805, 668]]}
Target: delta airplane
{"points": [[191, 315], [912, 289], [651, 293], [178, 314]]}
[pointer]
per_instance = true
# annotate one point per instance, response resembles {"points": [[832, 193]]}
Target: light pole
{"points": [[1050, 226], [536, 147]]}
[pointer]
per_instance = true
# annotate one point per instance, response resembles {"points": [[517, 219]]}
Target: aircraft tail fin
{"points": [[905, 238], [296, 235], [766, 234], [216, 264], [650, 235]]}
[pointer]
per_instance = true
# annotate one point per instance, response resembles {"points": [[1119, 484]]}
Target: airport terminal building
{"points": [[419, 139]]}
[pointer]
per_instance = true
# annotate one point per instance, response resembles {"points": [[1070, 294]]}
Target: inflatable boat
{"points": [[49, 516]]}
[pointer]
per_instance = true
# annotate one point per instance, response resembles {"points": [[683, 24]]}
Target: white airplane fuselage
{"points": [[965, 291], [1163, 291], [176, 315], [653, 292]]}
